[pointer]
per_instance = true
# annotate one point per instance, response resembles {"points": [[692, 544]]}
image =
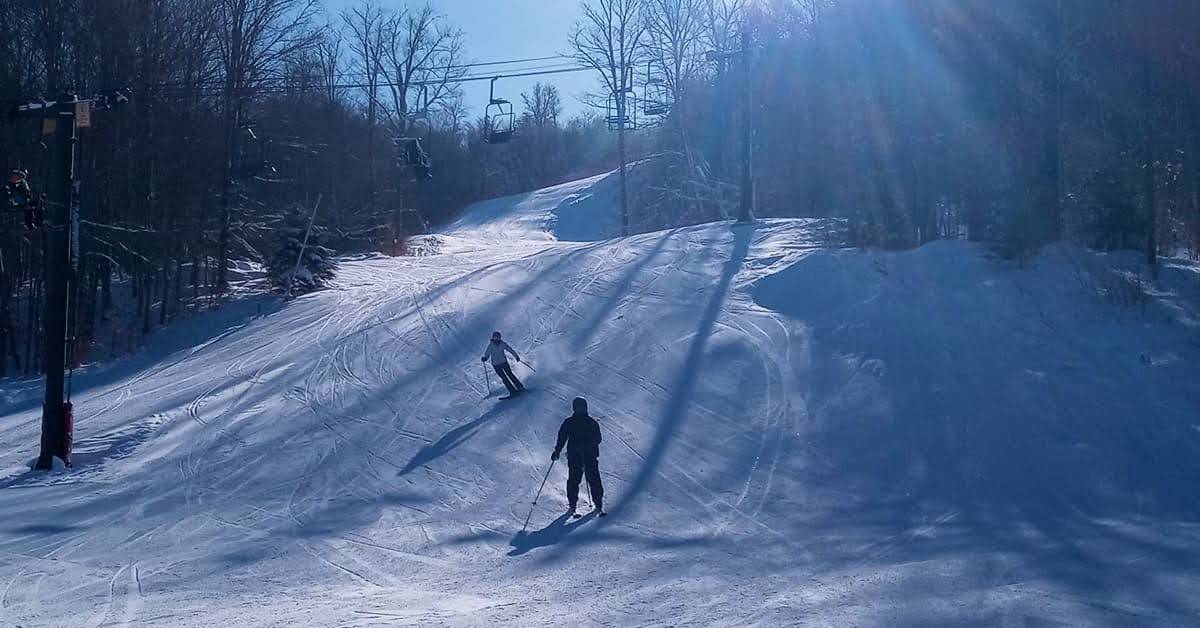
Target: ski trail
{"points": [[132, 597], [110, 599], [770, 436], [342, 568], [4, 606]]}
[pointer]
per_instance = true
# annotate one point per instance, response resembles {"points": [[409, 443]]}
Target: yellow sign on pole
{"points": [[83, 114]]}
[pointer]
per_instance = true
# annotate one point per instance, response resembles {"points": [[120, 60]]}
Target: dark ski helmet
{"points": [[579, 405]]}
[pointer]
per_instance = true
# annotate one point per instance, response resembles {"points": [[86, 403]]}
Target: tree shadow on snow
{"points": [[46, 528], [184, 338], [610, 302], [682, 388]]}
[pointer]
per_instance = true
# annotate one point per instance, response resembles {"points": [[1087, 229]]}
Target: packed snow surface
{"points": [[792, 436]]}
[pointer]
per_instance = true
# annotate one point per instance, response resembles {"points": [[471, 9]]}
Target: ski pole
{"points": [[535, 497], [487, 378], [526, 365]]}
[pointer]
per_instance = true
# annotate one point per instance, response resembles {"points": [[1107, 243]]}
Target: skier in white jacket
{"points": [[495, 352]]}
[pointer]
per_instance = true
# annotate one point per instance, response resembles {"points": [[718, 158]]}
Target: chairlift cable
{"points": [[280, 89], [342, 75]]}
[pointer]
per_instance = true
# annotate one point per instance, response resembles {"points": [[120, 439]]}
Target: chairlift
{"points": [[409, 151], [618, 120], [419, 118], [251, 151], [410, 154], [499, 121], [656, 99]]}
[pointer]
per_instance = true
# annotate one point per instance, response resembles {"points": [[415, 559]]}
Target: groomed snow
{"points": [[793, 436]]}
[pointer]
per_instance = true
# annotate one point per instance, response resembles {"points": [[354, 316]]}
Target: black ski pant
{"points": [[506, 375], [577, 468]]}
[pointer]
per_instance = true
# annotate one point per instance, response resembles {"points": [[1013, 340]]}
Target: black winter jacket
{"points": [[581, 434]]}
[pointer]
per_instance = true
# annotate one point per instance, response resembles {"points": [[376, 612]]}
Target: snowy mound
{"points": [[791, 437], [579, 211], [942, 376]]}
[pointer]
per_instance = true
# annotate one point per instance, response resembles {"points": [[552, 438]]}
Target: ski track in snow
{"points": [[792, 437]]}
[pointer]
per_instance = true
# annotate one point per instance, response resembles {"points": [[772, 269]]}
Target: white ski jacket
{"points": [[495, 353]]}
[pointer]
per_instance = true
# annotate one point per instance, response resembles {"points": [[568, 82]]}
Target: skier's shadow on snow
{"points": [[449, 441], [552, 534]]}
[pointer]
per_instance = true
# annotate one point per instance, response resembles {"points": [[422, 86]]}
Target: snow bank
{"points": [[946, 376], [579, 211]]}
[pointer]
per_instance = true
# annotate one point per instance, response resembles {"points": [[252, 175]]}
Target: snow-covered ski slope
{"points": [[792, 436]]}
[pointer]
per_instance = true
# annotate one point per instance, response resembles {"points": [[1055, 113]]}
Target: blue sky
{"points": [[499, 30]]}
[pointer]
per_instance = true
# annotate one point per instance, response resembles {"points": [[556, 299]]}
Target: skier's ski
{"points": [[516, 394]]}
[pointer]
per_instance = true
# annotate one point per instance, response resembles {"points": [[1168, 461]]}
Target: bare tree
{"points": [[543, 105], [721, 19], [539, 154], [608, 38], [366, 24], [17, 50], [422, 62], [421, 49], [808, 15], [675, 32], [452, 116], [254, 37], [329, 62]]}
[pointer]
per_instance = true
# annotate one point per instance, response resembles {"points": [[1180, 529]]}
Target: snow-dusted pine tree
{"points": [[316, 266]]}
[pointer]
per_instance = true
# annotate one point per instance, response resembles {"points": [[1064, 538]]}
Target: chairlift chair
{"points": [[410, 154], [251, 151], [656, 99], [616, 121], [418, 118], [409, 151], [499, 120]]}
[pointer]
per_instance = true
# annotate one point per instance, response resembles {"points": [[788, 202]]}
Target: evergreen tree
{"points": [[317, 263]]}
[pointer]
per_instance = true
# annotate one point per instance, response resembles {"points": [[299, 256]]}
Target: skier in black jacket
{"points": [[581, 434]]}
